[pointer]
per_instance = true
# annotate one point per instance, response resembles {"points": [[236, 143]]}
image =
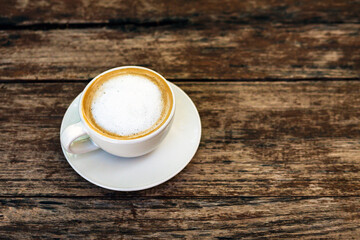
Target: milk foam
{"points": [[127, 104]]}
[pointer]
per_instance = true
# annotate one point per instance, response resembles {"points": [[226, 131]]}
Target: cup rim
{"points": [[127, 141]]}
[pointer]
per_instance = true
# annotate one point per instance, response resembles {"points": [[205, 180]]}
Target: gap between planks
{"points": [[113, 197], [151, 24], [191, 80]]}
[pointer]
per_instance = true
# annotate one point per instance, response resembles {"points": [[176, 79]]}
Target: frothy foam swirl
{"points": [[127, 104]]}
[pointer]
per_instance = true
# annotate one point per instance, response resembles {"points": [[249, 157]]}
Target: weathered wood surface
{"points": [[259, 139], [23, 12], [225, 218], [276, 159], [218, 52]]}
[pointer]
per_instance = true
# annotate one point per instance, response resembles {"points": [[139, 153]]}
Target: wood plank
{"points": [[227, 218], [259, 139], [195, 12], [218, 52]]}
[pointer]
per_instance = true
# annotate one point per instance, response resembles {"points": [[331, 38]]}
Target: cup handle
{"points": [[69, 136]]}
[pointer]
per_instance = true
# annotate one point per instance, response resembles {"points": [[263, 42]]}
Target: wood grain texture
{"points": [[219, 52], [277, 160], [259, 139], [15, 12], [227, 218]]}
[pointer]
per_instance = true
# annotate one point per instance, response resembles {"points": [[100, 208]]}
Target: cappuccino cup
{"points": [[126, 111]]}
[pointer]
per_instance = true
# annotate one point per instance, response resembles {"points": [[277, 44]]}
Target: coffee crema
{"points": [[127, 103]]}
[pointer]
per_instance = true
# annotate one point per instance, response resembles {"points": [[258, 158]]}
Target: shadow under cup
{"points": [[91, 90]]}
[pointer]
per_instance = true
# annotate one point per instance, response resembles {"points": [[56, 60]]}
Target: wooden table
{"points": [[277, 87]]}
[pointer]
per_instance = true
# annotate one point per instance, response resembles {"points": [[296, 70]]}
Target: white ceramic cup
{"points": [[81, 138]]}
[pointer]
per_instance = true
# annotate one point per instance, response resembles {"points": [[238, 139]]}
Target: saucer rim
{"points": [[165, 179]]}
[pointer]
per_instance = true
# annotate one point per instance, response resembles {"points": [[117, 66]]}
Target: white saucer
{"points": [[132, 174]]}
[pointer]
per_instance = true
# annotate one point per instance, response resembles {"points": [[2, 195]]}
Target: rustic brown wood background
{"points": [[277, 87]]}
